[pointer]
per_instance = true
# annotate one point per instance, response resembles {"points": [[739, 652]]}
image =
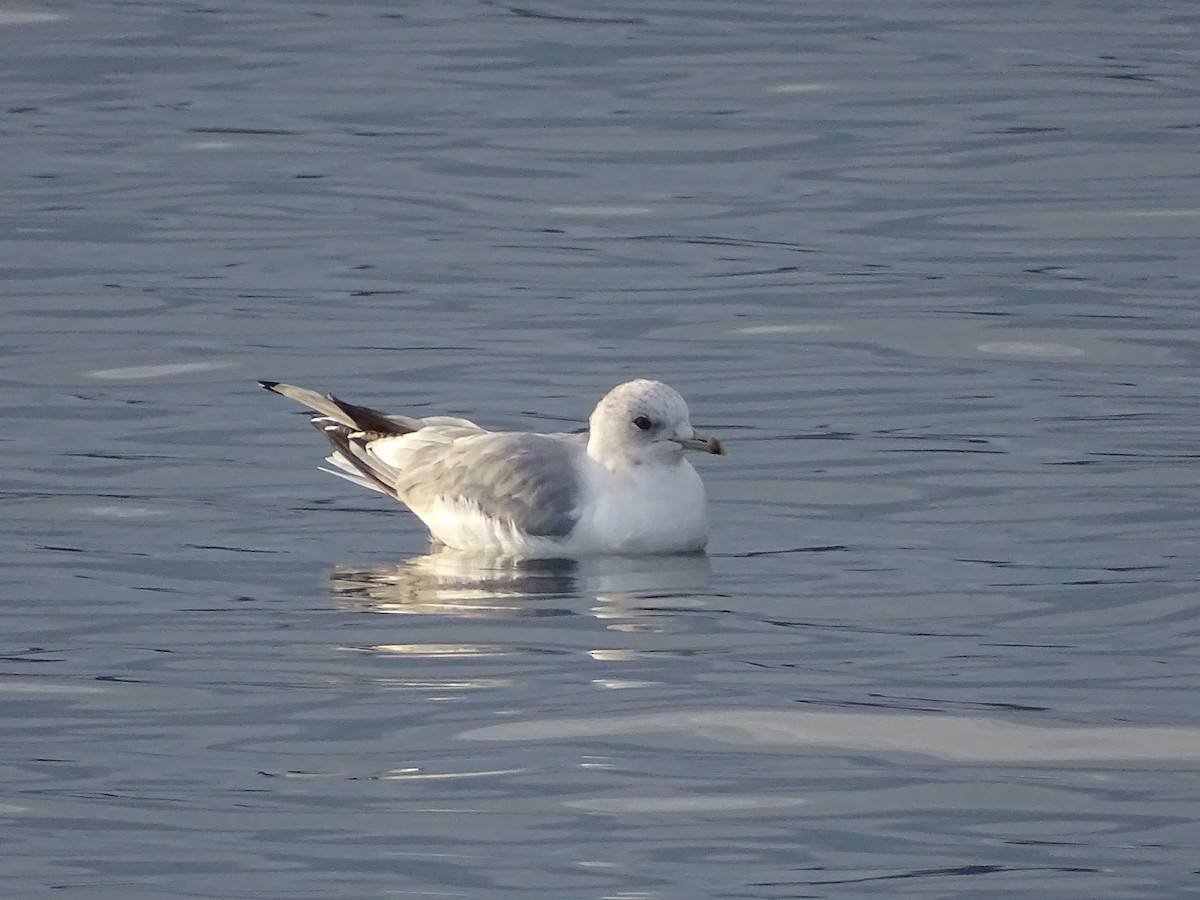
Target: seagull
{"points": [[622, 488]]}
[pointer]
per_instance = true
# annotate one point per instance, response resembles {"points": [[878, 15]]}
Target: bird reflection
{"points": [[450, 583]]}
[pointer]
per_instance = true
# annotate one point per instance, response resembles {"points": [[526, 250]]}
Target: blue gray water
{"points": [[930, 270]]}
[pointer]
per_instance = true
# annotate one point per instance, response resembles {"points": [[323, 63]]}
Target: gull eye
{"points": [[643, 423]]}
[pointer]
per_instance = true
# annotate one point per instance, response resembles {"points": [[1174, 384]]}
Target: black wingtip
{"points": [[269, 385], [369, 420]]}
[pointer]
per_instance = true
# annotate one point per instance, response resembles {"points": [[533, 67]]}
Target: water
{"points": [[929, 269]]}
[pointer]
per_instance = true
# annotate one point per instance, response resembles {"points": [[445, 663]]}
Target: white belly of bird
{"points": [[462, 526], [643, 510]]}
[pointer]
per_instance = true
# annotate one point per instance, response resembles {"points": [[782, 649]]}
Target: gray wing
{"points": [[530, 480]]}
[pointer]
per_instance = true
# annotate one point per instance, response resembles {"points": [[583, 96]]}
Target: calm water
{"points": [[930, 269]]}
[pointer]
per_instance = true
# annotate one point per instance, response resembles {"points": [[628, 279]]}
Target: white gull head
{"points": [[642, 422]]}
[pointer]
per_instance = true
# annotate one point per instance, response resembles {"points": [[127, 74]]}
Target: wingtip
{"points": [[269, 385]]}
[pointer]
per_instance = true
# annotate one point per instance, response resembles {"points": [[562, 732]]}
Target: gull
{"points": [[623, 488]]}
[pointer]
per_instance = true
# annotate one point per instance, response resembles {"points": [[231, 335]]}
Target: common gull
{"points": [[624, 487]]}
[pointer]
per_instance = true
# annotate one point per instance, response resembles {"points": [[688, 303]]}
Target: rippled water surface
{"points": [[929, 269]]}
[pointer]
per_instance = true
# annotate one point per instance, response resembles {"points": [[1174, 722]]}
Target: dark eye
{"points": [[643, 423]]}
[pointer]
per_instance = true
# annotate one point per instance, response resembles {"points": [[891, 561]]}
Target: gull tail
{"points": [[351, 430], [360, 418]]}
